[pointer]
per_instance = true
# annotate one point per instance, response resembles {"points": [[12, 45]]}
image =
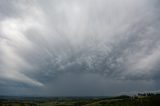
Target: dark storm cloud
{"points": [[79, 47]]}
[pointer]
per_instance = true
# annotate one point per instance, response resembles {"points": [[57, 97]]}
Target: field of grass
{"points": [[151, 100]]}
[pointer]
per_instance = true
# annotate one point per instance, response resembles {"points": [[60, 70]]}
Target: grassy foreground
{"points": [[141, 100]]}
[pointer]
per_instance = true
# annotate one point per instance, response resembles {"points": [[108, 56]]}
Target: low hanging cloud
{"points": [[79, 47]]}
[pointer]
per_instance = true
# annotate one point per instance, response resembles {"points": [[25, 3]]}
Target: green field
{"points": [[140, 100]]}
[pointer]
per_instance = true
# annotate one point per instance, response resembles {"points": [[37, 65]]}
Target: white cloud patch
{"points": [[13, 39]]}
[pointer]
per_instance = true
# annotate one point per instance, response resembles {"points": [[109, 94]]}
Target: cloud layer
{"points": [[79, 47]]}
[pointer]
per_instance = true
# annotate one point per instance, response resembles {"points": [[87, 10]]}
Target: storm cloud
{"points": [[79, 47]]}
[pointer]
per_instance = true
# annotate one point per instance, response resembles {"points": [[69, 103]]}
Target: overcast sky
{"points": [[79, 47]]}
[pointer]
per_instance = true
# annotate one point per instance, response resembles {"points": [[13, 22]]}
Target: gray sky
{"points": [[79, 47]]}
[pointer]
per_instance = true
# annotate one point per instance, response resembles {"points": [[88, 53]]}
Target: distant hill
{"points": [[139, 100]]}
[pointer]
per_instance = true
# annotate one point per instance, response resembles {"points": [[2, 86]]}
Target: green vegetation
{"points": [[139, 100], [152, 100]]}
